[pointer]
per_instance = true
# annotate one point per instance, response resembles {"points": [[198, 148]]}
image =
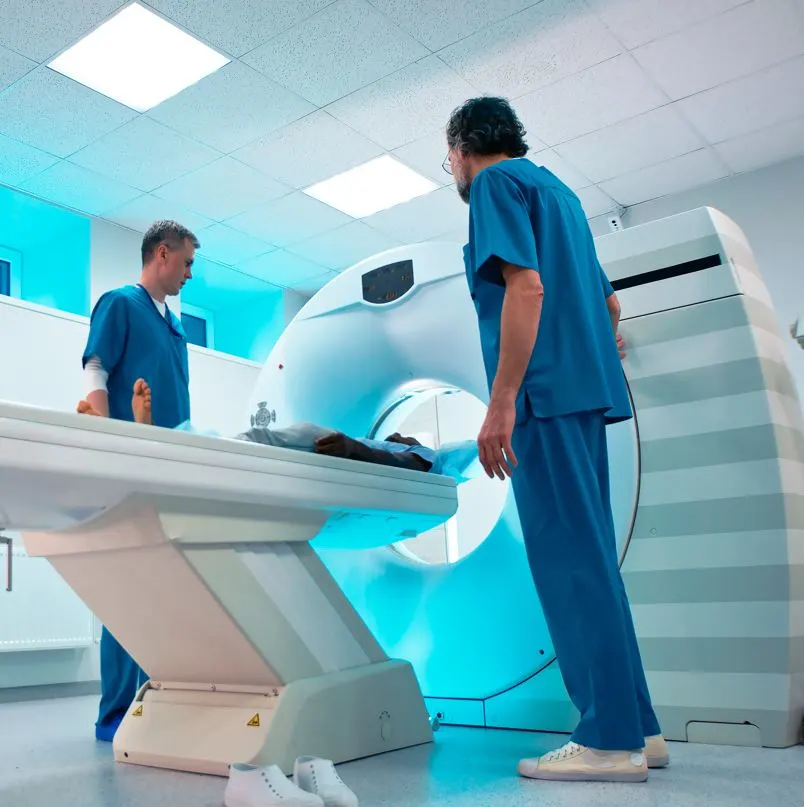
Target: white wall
{"points": [[768, 205], [114, 258], [44, 369]]}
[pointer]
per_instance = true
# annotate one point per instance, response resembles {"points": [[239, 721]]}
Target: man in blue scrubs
{"points": [[134, 335], [548, 320]]}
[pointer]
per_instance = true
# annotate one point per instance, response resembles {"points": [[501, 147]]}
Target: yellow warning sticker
{"points": [[255, 721], [137, 712]]}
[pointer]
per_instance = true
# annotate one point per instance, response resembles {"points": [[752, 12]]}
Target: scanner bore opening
{"points": [[436, 416]]}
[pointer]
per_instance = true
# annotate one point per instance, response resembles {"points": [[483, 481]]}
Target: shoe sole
{"points": [[659, 762], [237, 801], [602, 776]]}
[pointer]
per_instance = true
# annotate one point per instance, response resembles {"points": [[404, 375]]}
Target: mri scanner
{"points": [[260, 588], [707, 485]]}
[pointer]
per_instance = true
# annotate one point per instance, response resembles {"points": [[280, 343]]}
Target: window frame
{"points": [[14, 259], [208, 317]]}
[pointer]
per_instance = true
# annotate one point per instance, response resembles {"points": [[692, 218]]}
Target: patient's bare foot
{"points": [[141, 402], [85, 408]]}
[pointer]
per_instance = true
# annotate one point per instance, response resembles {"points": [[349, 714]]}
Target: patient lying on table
{"points": [[396, 450]]}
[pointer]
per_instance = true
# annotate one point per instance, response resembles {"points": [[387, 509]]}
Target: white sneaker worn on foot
{"points": [[320, 777], [576, 763], [250, 786], [657, 752]]}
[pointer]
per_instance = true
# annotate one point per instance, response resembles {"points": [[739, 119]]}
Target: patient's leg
{"points": [[141, 402], [337, 444], [300, 436]]}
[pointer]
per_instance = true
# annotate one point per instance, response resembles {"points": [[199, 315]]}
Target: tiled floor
{"points": [[48, 758]]}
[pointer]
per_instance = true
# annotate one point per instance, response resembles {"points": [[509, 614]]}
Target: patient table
{"points": [[193, 551]]}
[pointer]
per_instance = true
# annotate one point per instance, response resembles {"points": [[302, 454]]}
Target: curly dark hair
{"points": [[485, 126]]}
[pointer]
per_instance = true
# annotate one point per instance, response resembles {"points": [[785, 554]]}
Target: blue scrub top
{"points": [[133, 340], [400, 448], [521, 214]]}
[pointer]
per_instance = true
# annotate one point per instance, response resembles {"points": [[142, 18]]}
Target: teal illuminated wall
{"points": [[249, 314], [53, 245], [61, 257], [251, 328]]}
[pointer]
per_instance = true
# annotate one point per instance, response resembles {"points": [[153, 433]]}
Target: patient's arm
{"points": [[339, 445]]}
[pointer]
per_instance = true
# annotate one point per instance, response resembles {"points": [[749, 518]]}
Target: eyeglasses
{"points": [[446, 166]]}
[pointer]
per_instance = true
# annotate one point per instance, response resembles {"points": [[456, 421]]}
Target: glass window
{"points": [[195, 328]]}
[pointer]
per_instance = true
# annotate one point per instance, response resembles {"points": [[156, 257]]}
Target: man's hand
{"points": [[494, 441], [621, 345]]}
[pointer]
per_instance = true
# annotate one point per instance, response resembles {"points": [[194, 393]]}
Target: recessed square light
{"points": [[376, 185], [138, 58]]}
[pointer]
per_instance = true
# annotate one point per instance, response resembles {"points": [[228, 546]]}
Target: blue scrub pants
{"points": [[121, 678], [561, 486]]}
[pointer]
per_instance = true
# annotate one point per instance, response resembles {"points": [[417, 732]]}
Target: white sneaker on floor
{"points": [[250, 786], [657, 752], [576, 763], [320, 777]]}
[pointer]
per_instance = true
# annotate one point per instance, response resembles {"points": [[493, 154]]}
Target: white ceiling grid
{"points": [[626, 100]]}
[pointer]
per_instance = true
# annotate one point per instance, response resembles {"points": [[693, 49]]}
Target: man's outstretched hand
{"points": [[494, 441], [621, 345]]}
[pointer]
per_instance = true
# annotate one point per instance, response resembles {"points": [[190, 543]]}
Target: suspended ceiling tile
{"points": [[597, 97], [637, 22], [651, 138], [238, 26], [547, 42], [289, 220], [312, 285], [144, 154], [344, 247], [140, 213], [75, 187], [426, 155], [282, 268], [759, 149], [396, 109], [42, 28], [459, 236], [554, 163], [53, 113], [310, 150], [339, 50], [595, 202], [12, 67], [19, 162], [674, 176], [225, 245], [423, 218], [438, 24], [222, 189], [232, 107], [734, 44], [748, 104]]}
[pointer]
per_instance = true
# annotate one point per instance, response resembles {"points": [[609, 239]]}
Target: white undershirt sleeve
{"points": [[95, 377]]}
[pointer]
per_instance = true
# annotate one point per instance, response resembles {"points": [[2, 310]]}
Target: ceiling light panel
{"points": [[138, 59]]}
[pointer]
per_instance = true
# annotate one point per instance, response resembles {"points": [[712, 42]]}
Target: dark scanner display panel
{"points": [[385, 284], [666, 272]]}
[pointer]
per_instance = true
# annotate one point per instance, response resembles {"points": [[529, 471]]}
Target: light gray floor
{"points": [[49, 758]]}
